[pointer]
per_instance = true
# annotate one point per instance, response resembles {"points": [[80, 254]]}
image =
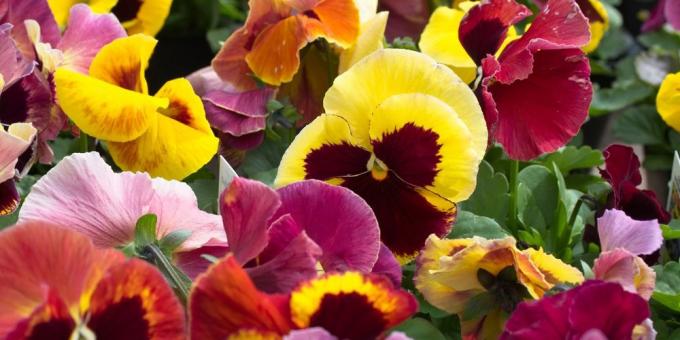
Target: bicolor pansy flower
{"points": [[267, 46], [405, 134], [13, 143], [286, 236], [454, 275], [166, 135], [547, 61], [82, 193], [55, 284], [224, 303], [137, 16]]}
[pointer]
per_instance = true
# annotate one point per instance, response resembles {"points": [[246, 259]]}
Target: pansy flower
{"points": [[456, 275], [13, 66], [668, 99], [82, 193], [546, 62], [284, 237], [598, 20], [224, 303], [54, 284], [267, 46], [166, 135], [622, 240], [666, 11], [405, 134], [13, 142], [594, 310], [137, 16]]}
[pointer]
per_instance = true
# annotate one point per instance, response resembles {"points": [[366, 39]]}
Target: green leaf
{"points": [[173, 240], [469, 225], [206, 193], [667, 291], [537, 197], [570, 158], [620, 96], [662, 40], [418, 328], [614, 43], [671, 231], [478, 306], [145, 231], [491, 197], [640, 125]]}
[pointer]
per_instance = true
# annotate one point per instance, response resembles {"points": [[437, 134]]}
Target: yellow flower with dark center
{"points": [[404, 133], [166, 135], [668, 101]]}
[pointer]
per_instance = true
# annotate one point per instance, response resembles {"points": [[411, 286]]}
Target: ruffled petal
{"points": [[338, 220], [668, 101], [13, 143], [85, 35], [335, 20], [123, 62], [238, 114], [626, 269], [13, 66], [142, 16], [553, 269], [20, 11], [617, 230], [224, 301]]}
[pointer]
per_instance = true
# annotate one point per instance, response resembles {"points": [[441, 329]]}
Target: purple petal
{"points": [[20, 10], [85, 35], [617, 230], [656, 18], [13, 66], [206, 80], [673, 13], [314, 333], [238, 113], [193, 262], [388, 265], [246, 207], [289, 258], [338, 220]]}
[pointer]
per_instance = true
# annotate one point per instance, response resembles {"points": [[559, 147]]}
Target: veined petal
{"points": [[385, 73], [388, 265], [618, 230], [668, 101], [50, 320], [370, 39], [104, 110], [626, 269], [123, 62], [178, 144], [424, 142], [238, 114], [334, 301], [142, 16], [85, 35], [224, 301], [134, 301], [335, 20]]}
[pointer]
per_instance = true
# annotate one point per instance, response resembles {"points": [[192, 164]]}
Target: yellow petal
{"points": [[371, 36], [440, 41], [385, 73], [61, 8], [103, 110], [367, 9], [123, 62], [456, 170], [149, 18], [325, 129], [177, 145], [668, 101], [554, 269], [597, 28]]}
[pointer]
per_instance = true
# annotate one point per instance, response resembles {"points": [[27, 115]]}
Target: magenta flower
{"points": [[666, 11], [546, 63], [280, 236], [594, 310]]}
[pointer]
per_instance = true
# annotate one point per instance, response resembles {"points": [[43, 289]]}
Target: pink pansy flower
{"points": [[13, 142], [280, 237], [84, 194], [623, 239]]}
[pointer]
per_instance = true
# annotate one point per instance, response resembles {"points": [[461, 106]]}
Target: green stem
{"points": [[83, 142], [513, 221], [177, 278], [564, 234], [574, 213]]}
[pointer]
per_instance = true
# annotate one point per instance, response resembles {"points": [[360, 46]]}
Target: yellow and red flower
{"points": [[166, 135], [55, 284], [224, 303], [404, 133]]}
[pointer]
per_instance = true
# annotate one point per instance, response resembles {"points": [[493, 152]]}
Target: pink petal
{"points": [[673, 13], [314, 333], [626, 269], [388, 265], [193, 263], [238, 113], [617, 230], [338, 220], [13, 66], [11, 147], [85, 35], [289, 258], [20, 10], [246, 207], [656, 18]]}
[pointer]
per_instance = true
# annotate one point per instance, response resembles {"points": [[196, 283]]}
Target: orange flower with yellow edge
{"points": [[483, 280], [267, 46], [166, 135], [137, 16]]}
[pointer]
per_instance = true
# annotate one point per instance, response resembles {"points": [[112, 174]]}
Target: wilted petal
{"points": [[617, 230], [626, 269], [13, 66], [85, 35], [236, 113]]}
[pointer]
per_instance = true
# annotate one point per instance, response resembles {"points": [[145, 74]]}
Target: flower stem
{"points": [[513, 222], [178, 279]]}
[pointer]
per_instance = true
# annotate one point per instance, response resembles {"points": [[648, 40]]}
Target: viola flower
{"points": [[440, 39], [598, 19], [281, 237], [666, 11], [546, 61], [82, 193], [138, 16], [668, 98], [622, 240], [13, 142], [405, 134], [54, 284], [267, 46], [594, 310], [452, 274], [166, 135], [13, 66], [224, 303]]}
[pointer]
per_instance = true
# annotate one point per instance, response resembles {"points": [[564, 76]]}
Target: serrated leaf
{"points": [[620, 96], [469, 225], [491, 197], [570, 158], [667, 290], [640, 125]]}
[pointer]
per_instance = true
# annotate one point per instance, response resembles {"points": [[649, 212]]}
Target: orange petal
{"points": [[335, 20], [135, 302], [51, 320], [123, 62], [224, 302]]}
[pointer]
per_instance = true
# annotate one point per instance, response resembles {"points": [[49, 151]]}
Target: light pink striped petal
{"points": [[617, 230]]}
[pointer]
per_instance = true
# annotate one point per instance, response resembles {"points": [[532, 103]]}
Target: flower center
{"points": [[377, 168]]}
